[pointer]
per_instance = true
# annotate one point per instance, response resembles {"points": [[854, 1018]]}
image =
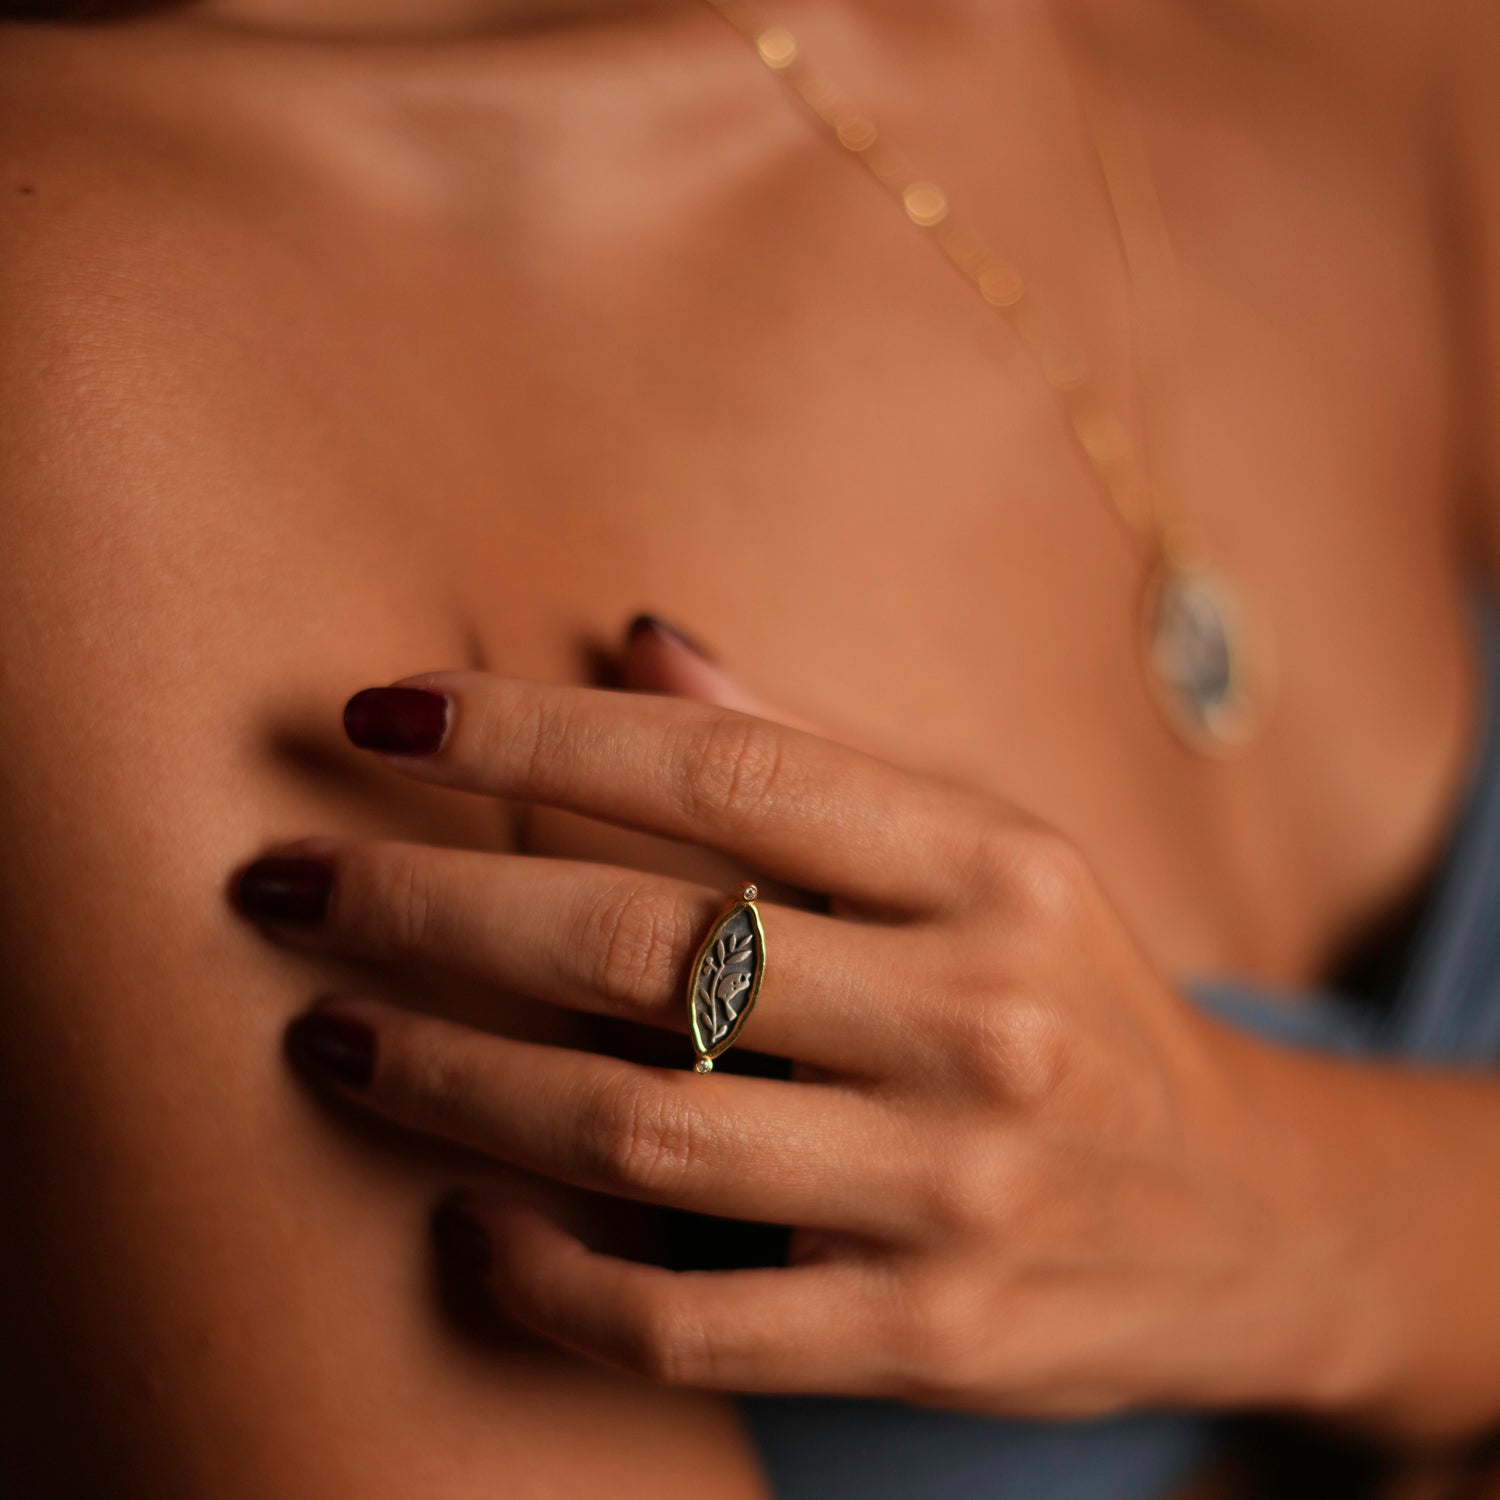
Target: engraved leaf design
{"points": [[724, 978]]}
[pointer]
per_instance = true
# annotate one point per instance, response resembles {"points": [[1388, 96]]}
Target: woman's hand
{"points": [[1015, 1160]]}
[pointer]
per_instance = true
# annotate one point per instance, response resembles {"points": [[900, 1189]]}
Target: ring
{"points": [[725, 978]]}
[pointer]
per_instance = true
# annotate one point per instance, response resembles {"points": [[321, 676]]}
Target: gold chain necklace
{"points": [[1209, 673]]}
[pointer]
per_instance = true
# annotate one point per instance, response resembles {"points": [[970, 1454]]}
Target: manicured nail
{"points": [[462, 1241], [655, 625], [286, 889], [333, 1047], [397, 720]]}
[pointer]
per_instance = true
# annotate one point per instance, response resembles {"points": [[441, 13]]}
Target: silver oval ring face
{"points": [[1198, 659], [725, 979]]}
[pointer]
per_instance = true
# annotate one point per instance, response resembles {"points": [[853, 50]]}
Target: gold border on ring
{"points": [[706, 955]]}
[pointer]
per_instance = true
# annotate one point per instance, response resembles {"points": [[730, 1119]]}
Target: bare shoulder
{"points": [[155, 414], [114, 140], [155, 446], [154, 186]]}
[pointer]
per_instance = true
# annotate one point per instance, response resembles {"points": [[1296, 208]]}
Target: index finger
{"points": [[787, 803]]}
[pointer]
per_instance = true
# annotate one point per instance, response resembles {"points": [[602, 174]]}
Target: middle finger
{"points": [[591, 937]]}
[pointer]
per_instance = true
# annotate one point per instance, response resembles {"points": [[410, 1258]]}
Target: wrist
{"points": [[1376, 1289], [1314, 1334]]}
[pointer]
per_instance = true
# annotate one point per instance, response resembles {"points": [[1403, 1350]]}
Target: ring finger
{"points": [[742, 1148]]}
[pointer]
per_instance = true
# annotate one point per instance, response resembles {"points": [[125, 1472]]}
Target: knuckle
{"points": [[406, 905], [1054, 878], [638, 939], [636, 1136], [1032, 868], [1033, 1040], [528, 731], [955, 1197], [963, 1025], [669, 1343], [993, 856], [938, 1349], [731, 766], [1014, 1048], [429, 1082]]}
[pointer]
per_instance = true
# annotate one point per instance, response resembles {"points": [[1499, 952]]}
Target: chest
{"points": [[731, 384]]}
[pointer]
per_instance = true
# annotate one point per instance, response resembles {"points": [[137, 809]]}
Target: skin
{"points": [[321, 353]]}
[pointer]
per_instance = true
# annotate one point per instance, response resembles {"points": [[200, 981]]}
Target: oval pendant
{"points": [[724, 980], [1199, 661]]}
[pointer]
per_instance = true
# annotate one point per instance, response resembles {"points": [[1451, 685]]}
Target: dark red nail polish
{"points": [[286, 889], [397, 720], [462, 1241], [333, 1047], [655, 625]]}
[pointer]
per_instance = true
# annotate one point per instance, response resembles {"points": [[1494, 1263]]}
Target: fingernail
{"points": [[397, 720], [286, 889], [655, 625], [333, 1047], [462, 1241]]}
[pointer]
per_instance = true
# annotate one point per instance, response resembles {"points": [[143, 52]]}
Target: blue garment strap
{"points": [[1446, 1003]]}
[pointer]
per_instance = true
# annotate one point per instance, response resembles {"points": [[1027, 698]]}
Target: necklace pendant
{"points": [[1208, 675]]}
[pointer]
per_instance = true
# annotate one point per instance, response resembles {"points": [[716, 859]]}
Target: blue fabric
{"points": [[1444, 1009]]}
